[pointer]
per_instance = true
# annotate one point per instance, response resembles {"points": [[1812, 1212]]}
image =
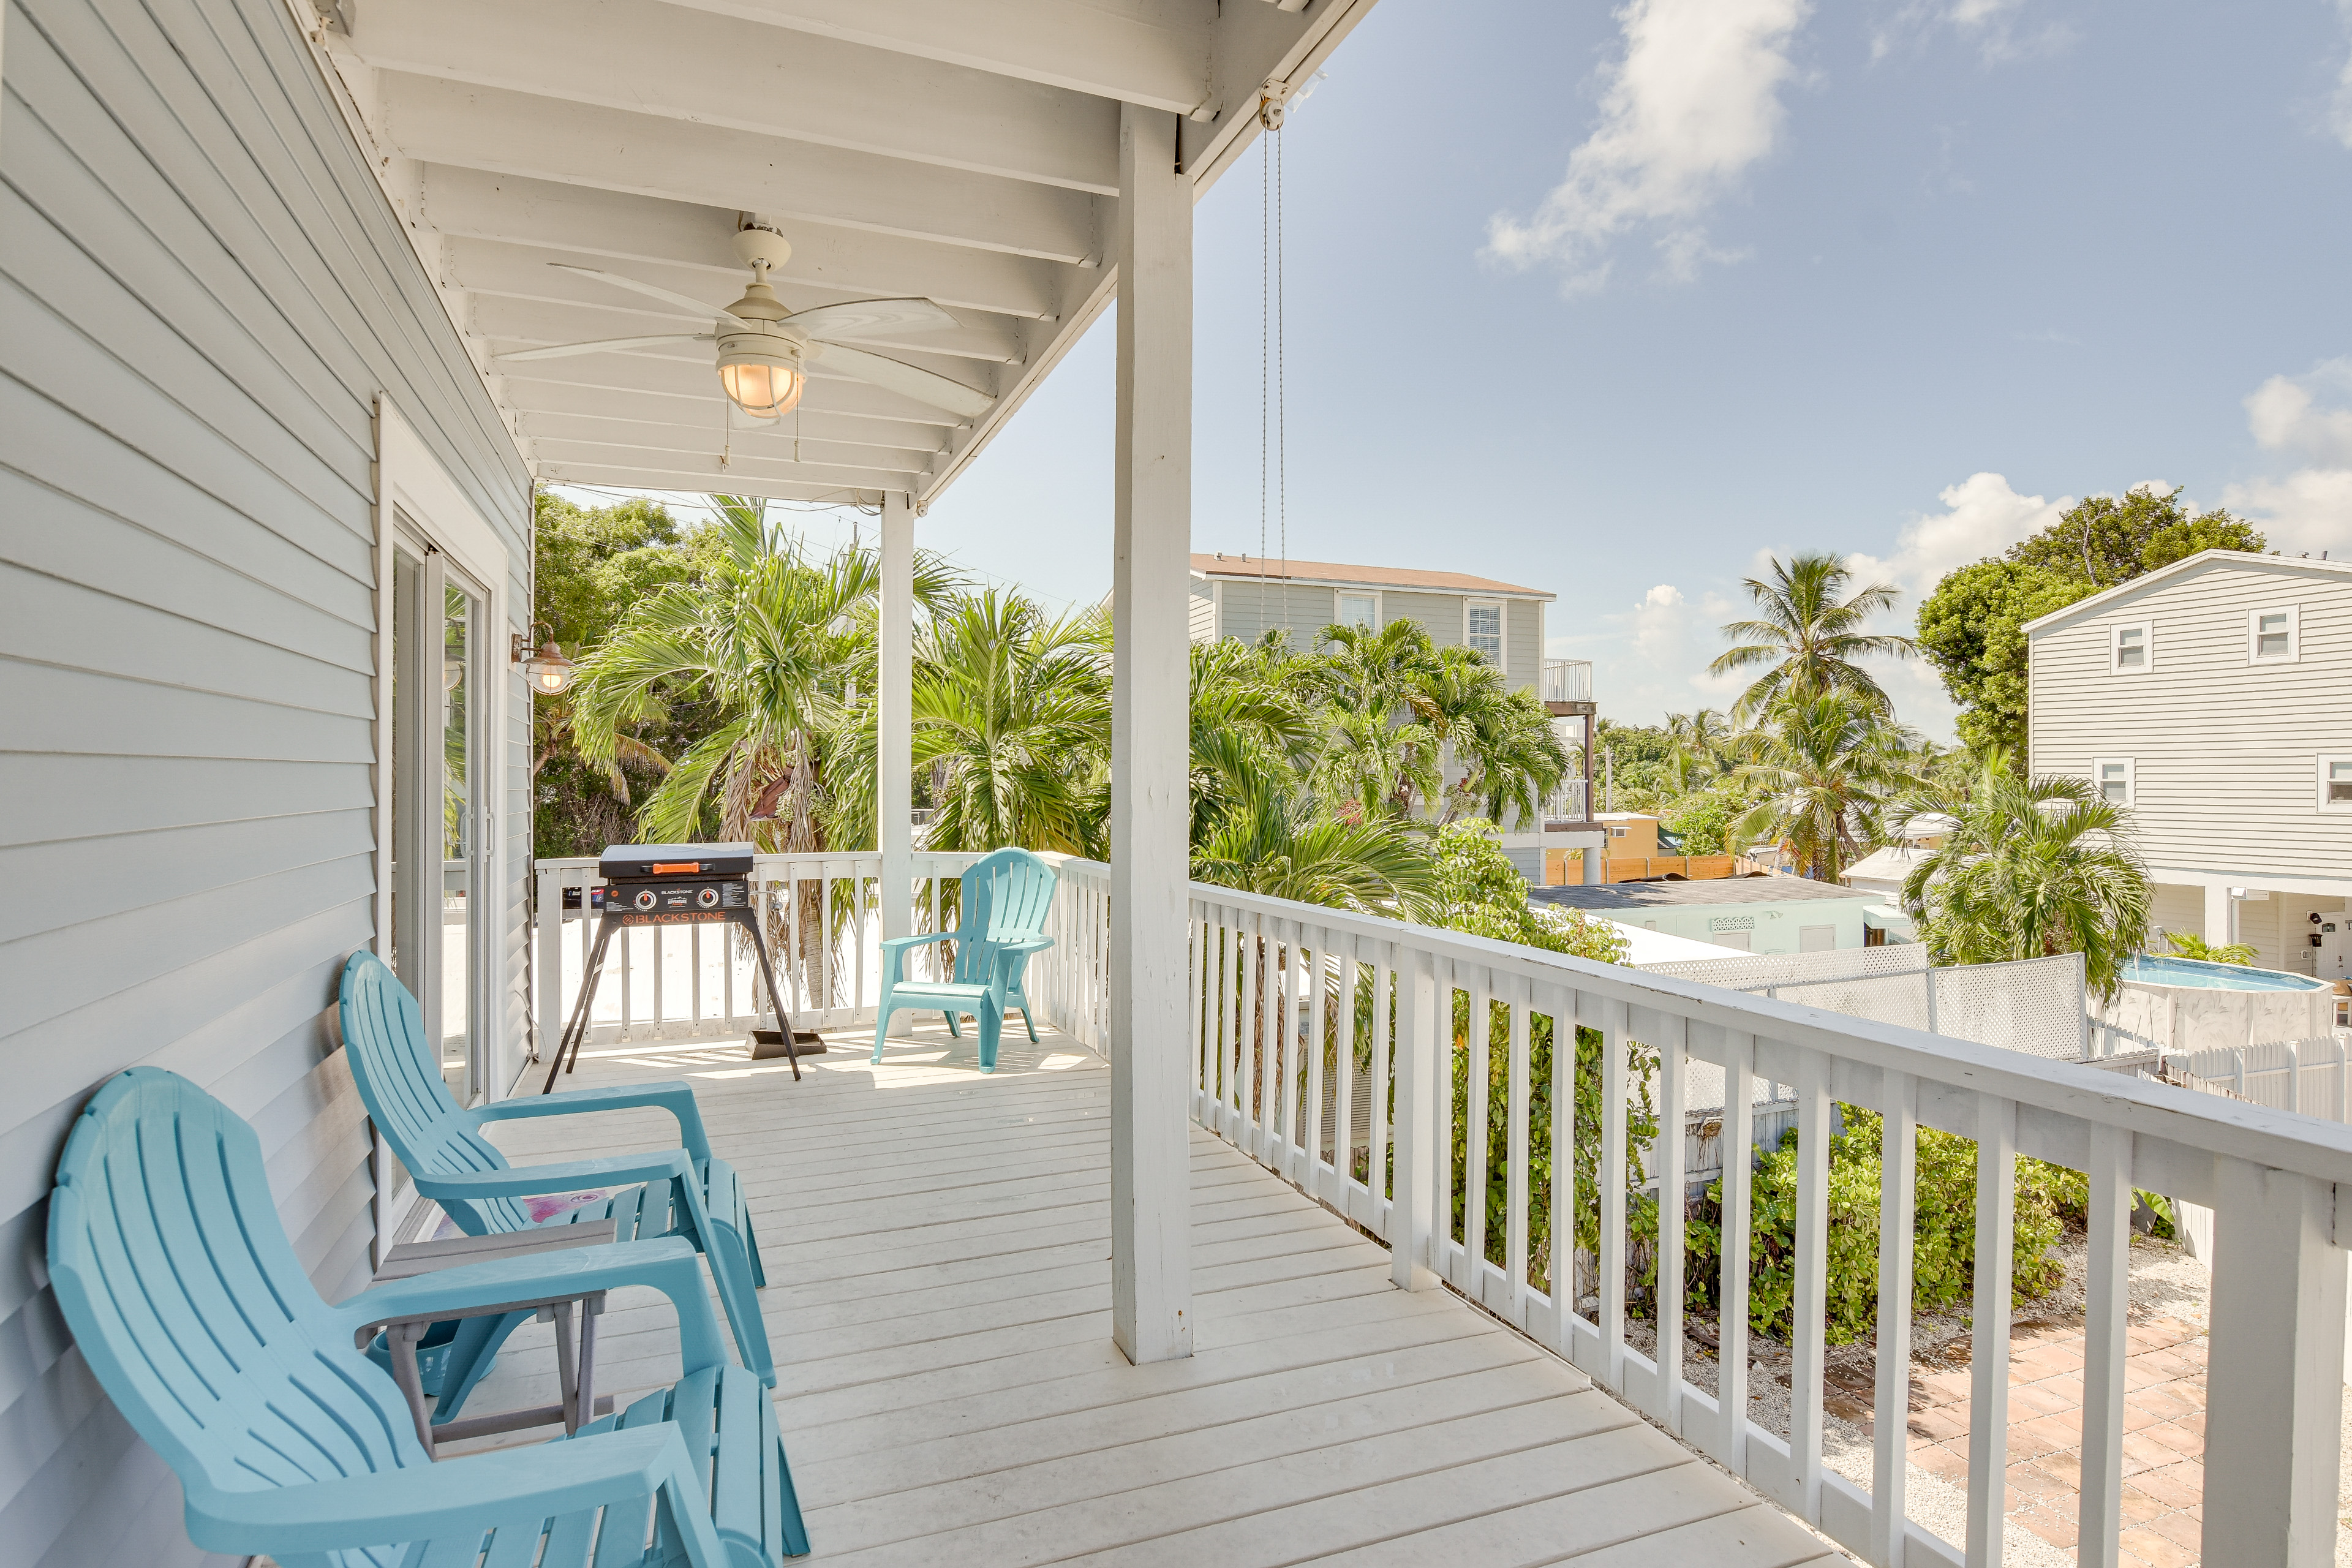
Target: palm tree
{"points": [[1695, 745], [770, 639], [1250, 715], [1278, 840], [1011, 719], [2185, 944], [1808, 636], [2035, 868], [1824, 766]]}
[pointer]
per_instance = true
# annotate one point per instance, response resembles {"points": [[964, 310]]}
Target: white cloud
{"points": [[1999, 29], [1693, 104], [2310, 509], [1650, 658], [2284, 415]]}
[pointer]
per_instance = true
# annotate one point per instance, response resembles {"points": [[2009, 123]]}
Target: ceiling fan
{"points": [[764, 349]]}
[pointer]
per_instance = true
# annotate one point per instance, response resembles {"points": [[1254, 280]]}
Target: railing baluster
{"points": [[1376, 1168], [1273, 996], [2100, 1512], [1317, 1008], [1737, 1141], [1806, 1351], [1667, 1301], [1988, 1345], [1253, 1023], [661, 964], [1196, 987], [1516, 1183], [1612, 1185], [1475, 1127], [1898, 1159], [1560, 1266]]}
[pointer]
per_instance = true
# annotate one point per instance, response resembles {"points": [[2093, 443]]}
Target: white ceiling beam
{"points": [[549, 433], [646, 376], [653, 469], [1140, 51], [740, 484], [650, 58], [487, 268], [544, 138], [628, 406], [1254, 48], [619, 227]]}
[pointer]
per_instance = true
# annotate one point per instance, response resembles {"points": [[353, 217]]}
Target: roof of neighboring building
{"points": [[1644, 946], [2163, 575], [1891, 864], [1339, 574], [1624, 816], [1709, 891]]}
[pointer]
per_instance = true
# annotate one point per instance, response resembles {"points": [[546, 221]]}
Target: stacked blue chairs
{"points": [[685, 1191], [176, 1277]]}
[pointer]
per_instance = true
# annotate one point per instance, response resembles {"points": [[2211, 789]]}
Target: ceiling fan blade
{"points": [[907, 380], [601, 345], [865, 317], [655, 291]]}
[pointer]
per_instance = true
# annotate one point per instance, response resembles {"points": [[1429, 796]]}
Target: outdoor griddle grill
{"points": [[680, 884]]}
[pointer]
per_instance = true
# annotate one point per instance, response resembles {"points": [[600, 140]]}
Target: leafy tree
{"points": [[2034, 867], [1697, 746], [1806, 636], [593, 564], [1972, 627], [1277, 839], [1702, 823]]}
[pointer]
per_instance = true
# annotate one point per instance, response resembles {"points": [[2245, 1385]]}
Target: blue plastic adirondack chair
{"points": [[174, 1275], [1003, 908], [685, 1191]]}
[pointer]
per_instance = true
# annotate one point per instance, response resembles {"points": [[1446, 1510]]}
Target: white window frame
{"points": [[1340, 594], [1502, 608], [2254, 634], [2319, 791], [2146, 631], [2099, 766]]}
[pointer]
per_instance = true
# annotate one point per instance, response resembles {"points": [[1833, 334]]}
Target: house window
{"points": [[2335, 783], [2272, 636], [1362, 610], [2128, 649], [2114, 780], [1485, 631]]}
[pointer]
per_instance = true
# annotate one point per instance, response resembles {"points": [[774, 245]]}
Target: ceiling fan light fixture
{"points": [[763, 384]]}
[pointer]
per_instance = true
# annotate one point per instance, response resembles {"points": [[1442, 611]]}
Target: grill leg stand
{"points": [[567, 1050], [775, 995]]}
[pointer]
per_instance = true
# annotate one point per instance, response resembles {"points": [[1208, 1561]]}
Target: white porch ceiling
{"points": [[965, 151]]}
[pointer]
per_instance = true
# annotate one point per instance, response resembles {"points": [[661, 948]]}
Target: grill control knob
{"points": [[644, 898], [708, 898]]}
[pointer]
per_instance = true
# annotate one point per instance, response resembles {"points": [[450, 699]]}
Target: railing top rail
{"points": [[2067, 1090], [801, 857]]}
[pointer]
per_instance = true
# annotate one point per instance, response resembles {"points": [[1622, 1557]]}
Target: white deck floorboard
{"points": [[937, 1244]]}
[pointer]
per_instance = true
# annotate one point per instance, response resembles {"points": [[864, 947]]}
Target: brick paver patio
{"points": [[2164, 1441]]}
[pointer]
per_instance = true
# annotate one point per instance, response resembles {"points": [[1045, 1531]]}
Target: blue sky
{"points": [[1613, 303]]}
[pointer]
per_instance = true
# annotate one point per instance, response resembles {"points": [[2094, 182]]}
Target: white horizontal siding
{"points": [[203, 294], [2223, 752]]}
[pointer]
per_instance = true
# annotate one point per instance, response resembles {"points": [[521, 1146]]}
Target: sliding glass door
{"points": [[442, 889]]}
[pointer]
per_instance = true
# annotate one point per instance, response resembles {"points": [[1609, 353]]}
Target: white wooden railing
{"points": [[1282, 992]]}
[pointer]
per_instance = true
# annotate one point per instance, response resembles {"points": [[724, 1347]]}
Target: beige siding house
{"points": [[2214, 698]]}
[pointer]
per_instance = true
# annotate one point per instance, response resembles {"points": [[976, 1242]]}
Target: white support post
{"points": [[894, 717], [2275, 1373], [1151, 1175], [2217, 913], [1420, 1077]]}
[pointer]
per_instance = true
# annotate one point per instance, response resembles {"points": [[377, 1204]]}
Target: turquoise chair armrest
{"points": [[510, 1488], [676, 1098], [668, 1265], [520, 1180], [896, 948]]}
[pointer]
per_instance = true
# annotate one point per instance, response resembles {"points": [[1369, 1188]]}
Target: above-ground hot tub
{"points": [[2189, 1004]]}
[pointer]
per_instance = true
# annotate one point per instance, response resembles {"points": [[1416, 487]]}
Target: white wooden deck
{"points": [[938, 1247]]}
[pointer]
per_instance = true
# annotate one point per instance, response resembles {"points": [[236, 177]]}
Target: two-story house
{"points": [[2214, 698], [1246, 596]]}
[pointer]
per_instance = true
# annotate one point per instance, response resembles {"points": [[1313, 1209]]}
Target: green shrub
{"points": [[1943, 1234]]}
